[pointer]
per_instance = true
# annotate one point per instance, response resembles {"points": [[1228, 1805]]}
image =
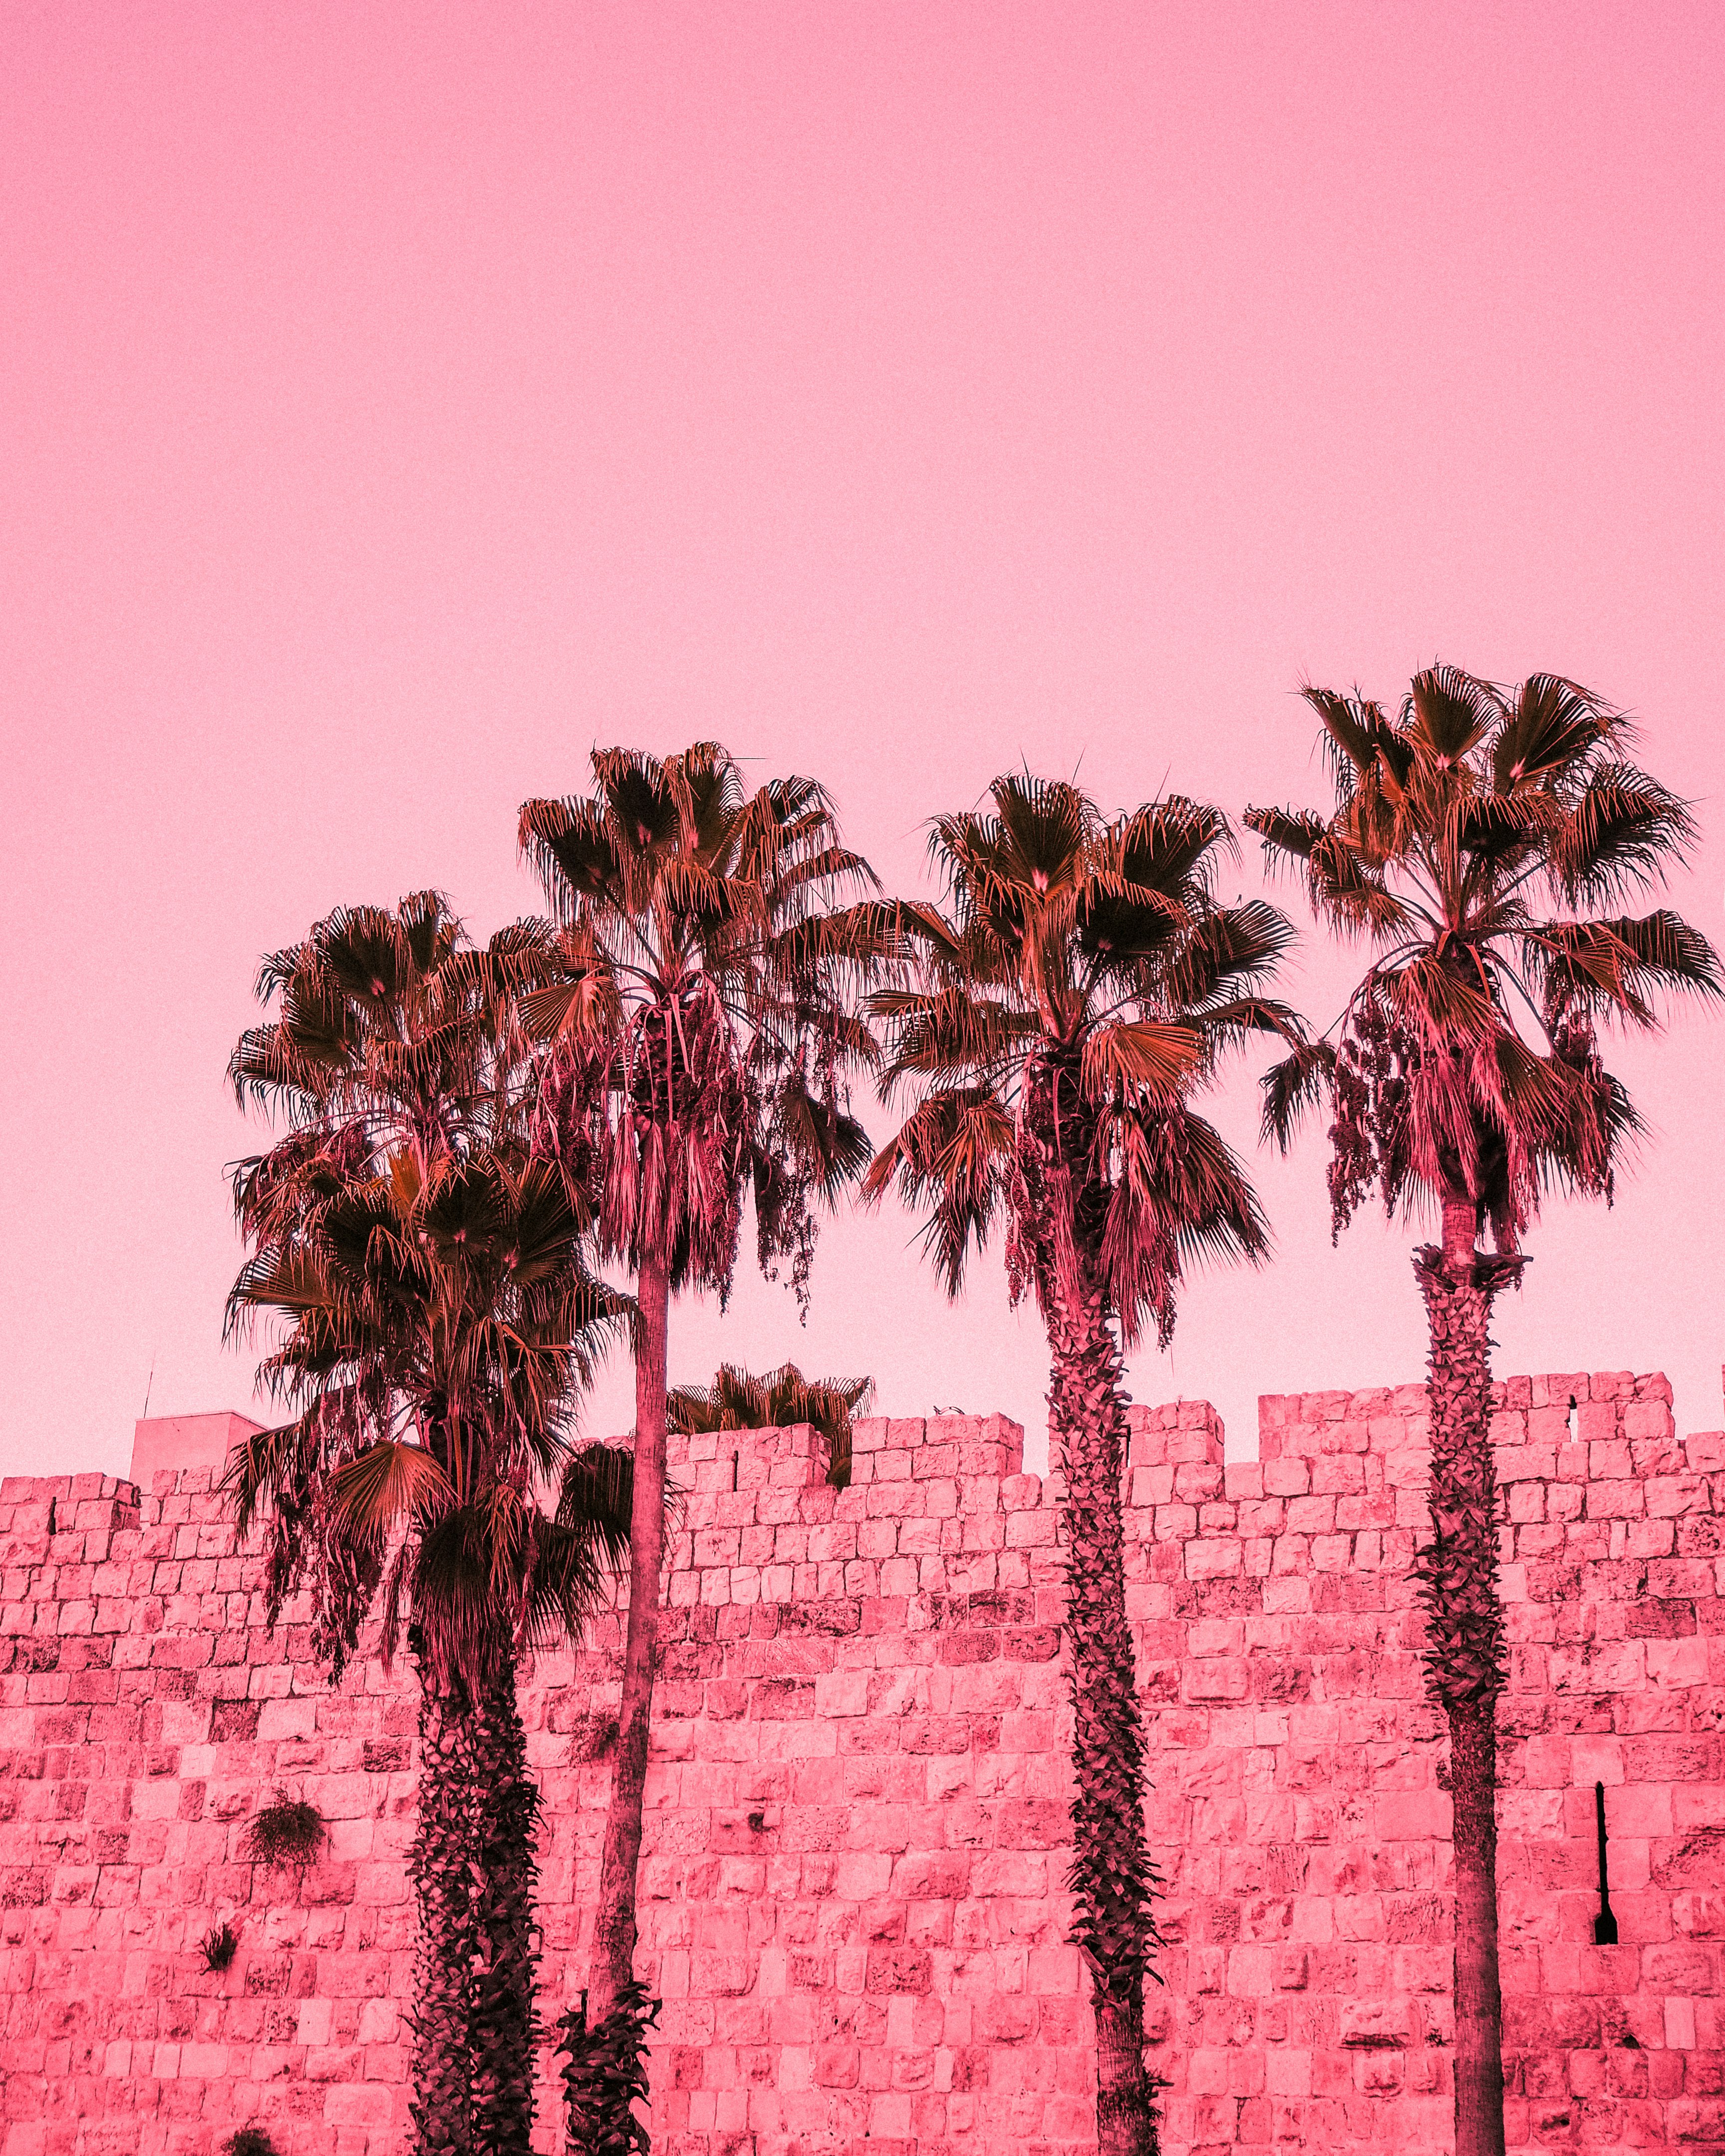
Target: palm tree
{"points": [[1471, 838], [695, 997], [736, 1400], [435, 1322], [1082, 986]]}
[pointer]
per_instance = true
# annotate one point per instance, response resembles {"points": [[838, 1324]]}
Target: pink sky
{"points": [[400, 399]]}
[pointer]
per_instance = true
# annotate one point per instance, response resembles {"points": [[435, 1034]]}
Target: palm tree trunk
{"points": [[1457, 1577], [612, 1964], [1111, 1873], [503, 2023], [1478, 2001], [441, 2105]]}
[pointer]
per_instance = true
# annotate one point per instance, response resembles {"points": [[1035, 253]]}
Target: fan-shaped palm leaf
{"points": [[388, 1484]]}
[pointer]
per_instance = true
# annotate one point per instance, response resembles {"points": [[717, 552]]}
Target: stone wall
{"points": [[852, 1900], [1299, 1774]]}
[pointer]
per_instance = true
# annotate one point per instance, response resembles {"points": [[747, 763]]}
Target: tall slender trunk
{"points": [[1457, 1577], [1111, 1873], [441, 2105], [612, 1965], [504, 2026]]}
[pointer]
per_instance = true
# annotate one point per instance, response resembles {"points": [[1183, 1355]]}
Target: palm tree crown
{"points": [[1082, 984], [694, 996], [1472, 837], [738, 1399], [440, 1319]]}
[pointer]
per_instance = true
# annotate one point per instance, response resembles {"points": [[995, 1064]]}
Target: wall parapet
{"points": [[853, 1892]]}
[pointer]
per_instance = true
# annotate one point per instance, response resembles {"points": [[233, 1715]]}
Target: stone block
{"points": [[1705, 1452], [1649, 1418]]}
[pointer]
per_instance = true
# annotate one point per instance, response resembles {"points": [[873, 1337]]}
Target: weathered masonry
{"points": [[853, 1899]]}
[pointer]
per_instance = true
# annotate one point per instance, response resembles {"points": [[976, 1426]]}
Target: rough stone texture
{"points": [[1299, 1774], [852, 1898]]}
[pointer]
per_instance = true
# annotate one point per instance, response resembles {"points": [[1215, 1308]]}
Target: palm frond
{"points": [[1289, 832], [1622, 833], [258, 1466], [1550, 727], [738, 1399], [1501, 828], [1450, 712], [1437, 1004], [1357, 736], [1144, 1055], [952, 1156], [1293, 1087], [831, 1149], [1123, 922], [1177, 1194], [570, 847], [388, 1484], [462, 1629], [1615, 967], [949, 1036], [598, 1493], [1169, 847], [571, 1578], [1232, 948], [1226, 1023], [861, 940], [1041, 827], [1349, 889]]}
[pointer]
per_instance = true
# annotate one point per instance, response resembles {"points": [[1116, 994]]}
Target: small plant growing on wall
{"points": [[595, 1736], [218, 1947], [250, 2141], [288, 1835]]}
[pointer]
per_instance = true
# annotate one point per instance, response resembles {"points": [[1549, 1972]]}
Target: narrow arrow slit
{"points": [[1604, 1924]]}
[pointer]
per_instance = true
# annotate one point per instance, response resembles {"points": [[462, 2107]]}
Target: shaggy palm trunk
{"points": [[504, 2029], [1457, 1576], [440, 1864], [612, 1966], [1111, 1872]]}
